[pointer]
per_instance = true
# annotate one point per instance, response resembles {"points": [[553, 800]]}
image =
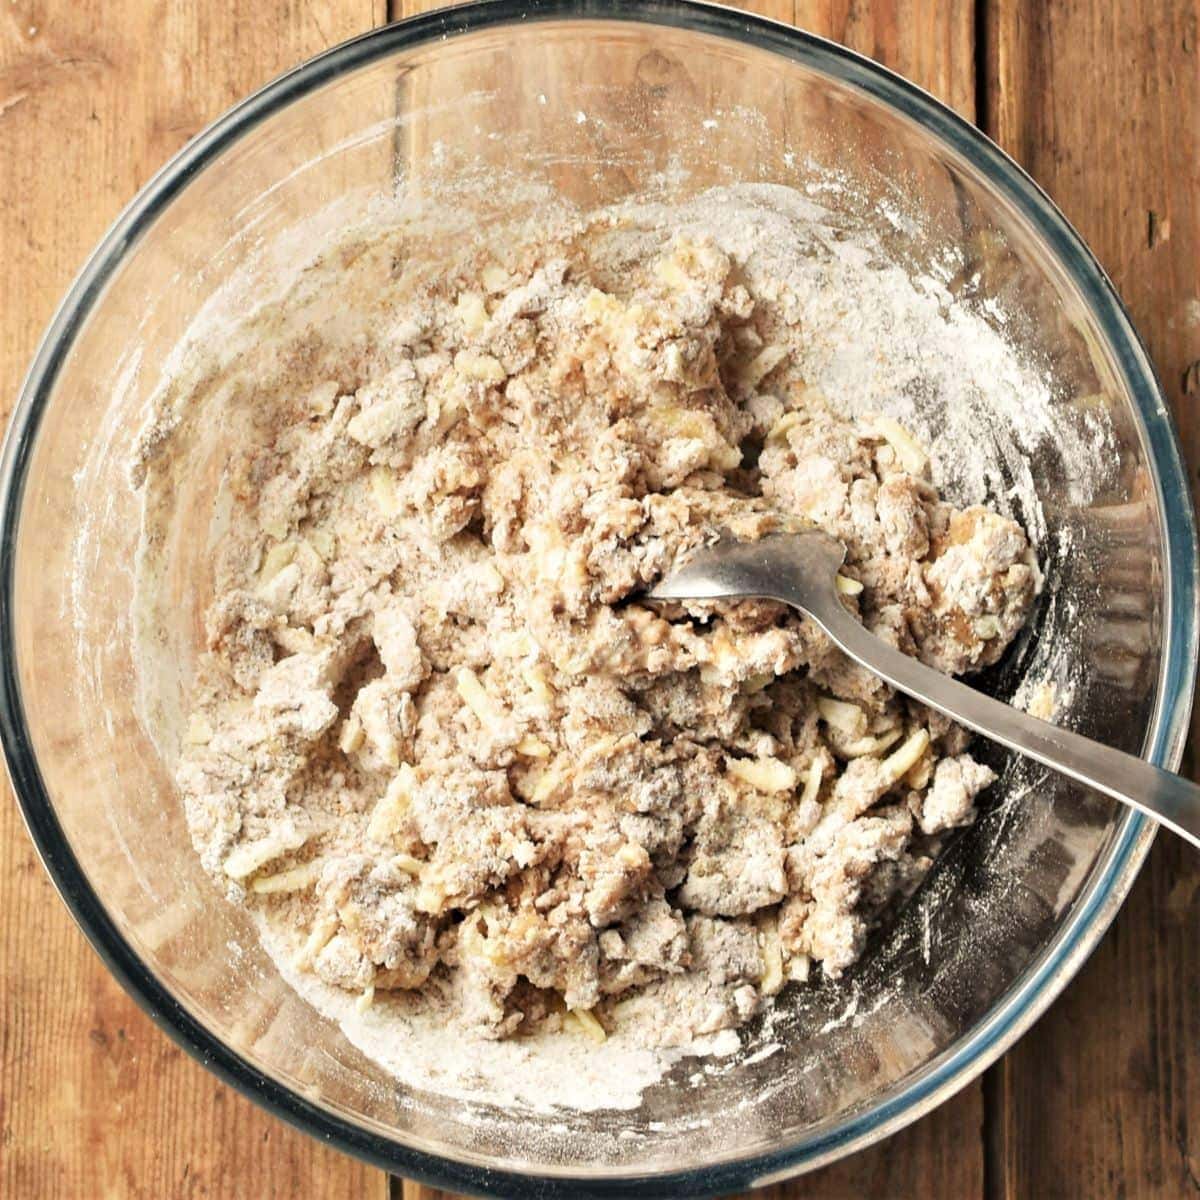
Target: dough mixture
{"points": [[437, 740]]}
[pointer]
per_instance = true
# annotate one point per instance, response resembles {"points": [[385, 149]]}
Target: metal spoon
{"points": [[800, 569]]}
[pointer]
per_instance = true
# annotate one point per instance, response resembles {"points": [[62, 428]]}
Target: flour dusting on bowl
{"points": [[415, 662]]}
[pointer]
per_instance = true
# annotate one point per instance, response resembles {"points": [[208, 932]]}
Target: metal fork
{"points": [[800, 569]]}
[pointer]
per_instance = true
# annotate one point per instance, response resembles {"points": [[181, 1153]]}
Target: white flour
{"points": [[880, 339]]}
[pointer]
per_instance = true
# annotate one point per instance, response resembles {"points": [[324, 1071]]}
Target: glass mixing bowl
{"points": [[666, 98]]}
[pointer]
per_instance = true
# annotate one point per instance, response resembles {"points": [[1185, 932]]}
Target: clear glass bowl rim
{"points": [[1111, 878]]}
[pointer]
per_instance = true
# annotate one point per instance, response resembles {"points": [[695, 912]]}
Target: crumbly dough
{"points": [[437, 737]]}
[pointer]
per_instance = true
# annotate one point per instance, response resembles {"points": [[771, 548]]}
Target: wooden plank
{"points": [[1100, 101], [932, 42], [406, 1189], [94, 1101]]}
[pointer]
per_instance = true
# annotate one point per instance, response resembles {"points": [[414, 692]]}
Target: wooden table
{"points": [[1100, 100]]}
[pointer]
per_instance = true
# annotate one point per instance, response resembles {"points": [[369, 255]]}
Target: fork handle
{"points": [[1169, 799]]}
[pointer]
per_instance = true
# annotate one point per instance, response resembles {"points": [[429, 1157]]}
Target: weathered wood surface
{"points": [[94, 1100], [1100, 100], [933, 43]]}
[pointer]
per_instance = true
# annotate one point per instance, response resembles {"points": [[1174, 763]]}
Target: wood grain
{"points": [[94, 1100], [931, 42], [1100, 101]]}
